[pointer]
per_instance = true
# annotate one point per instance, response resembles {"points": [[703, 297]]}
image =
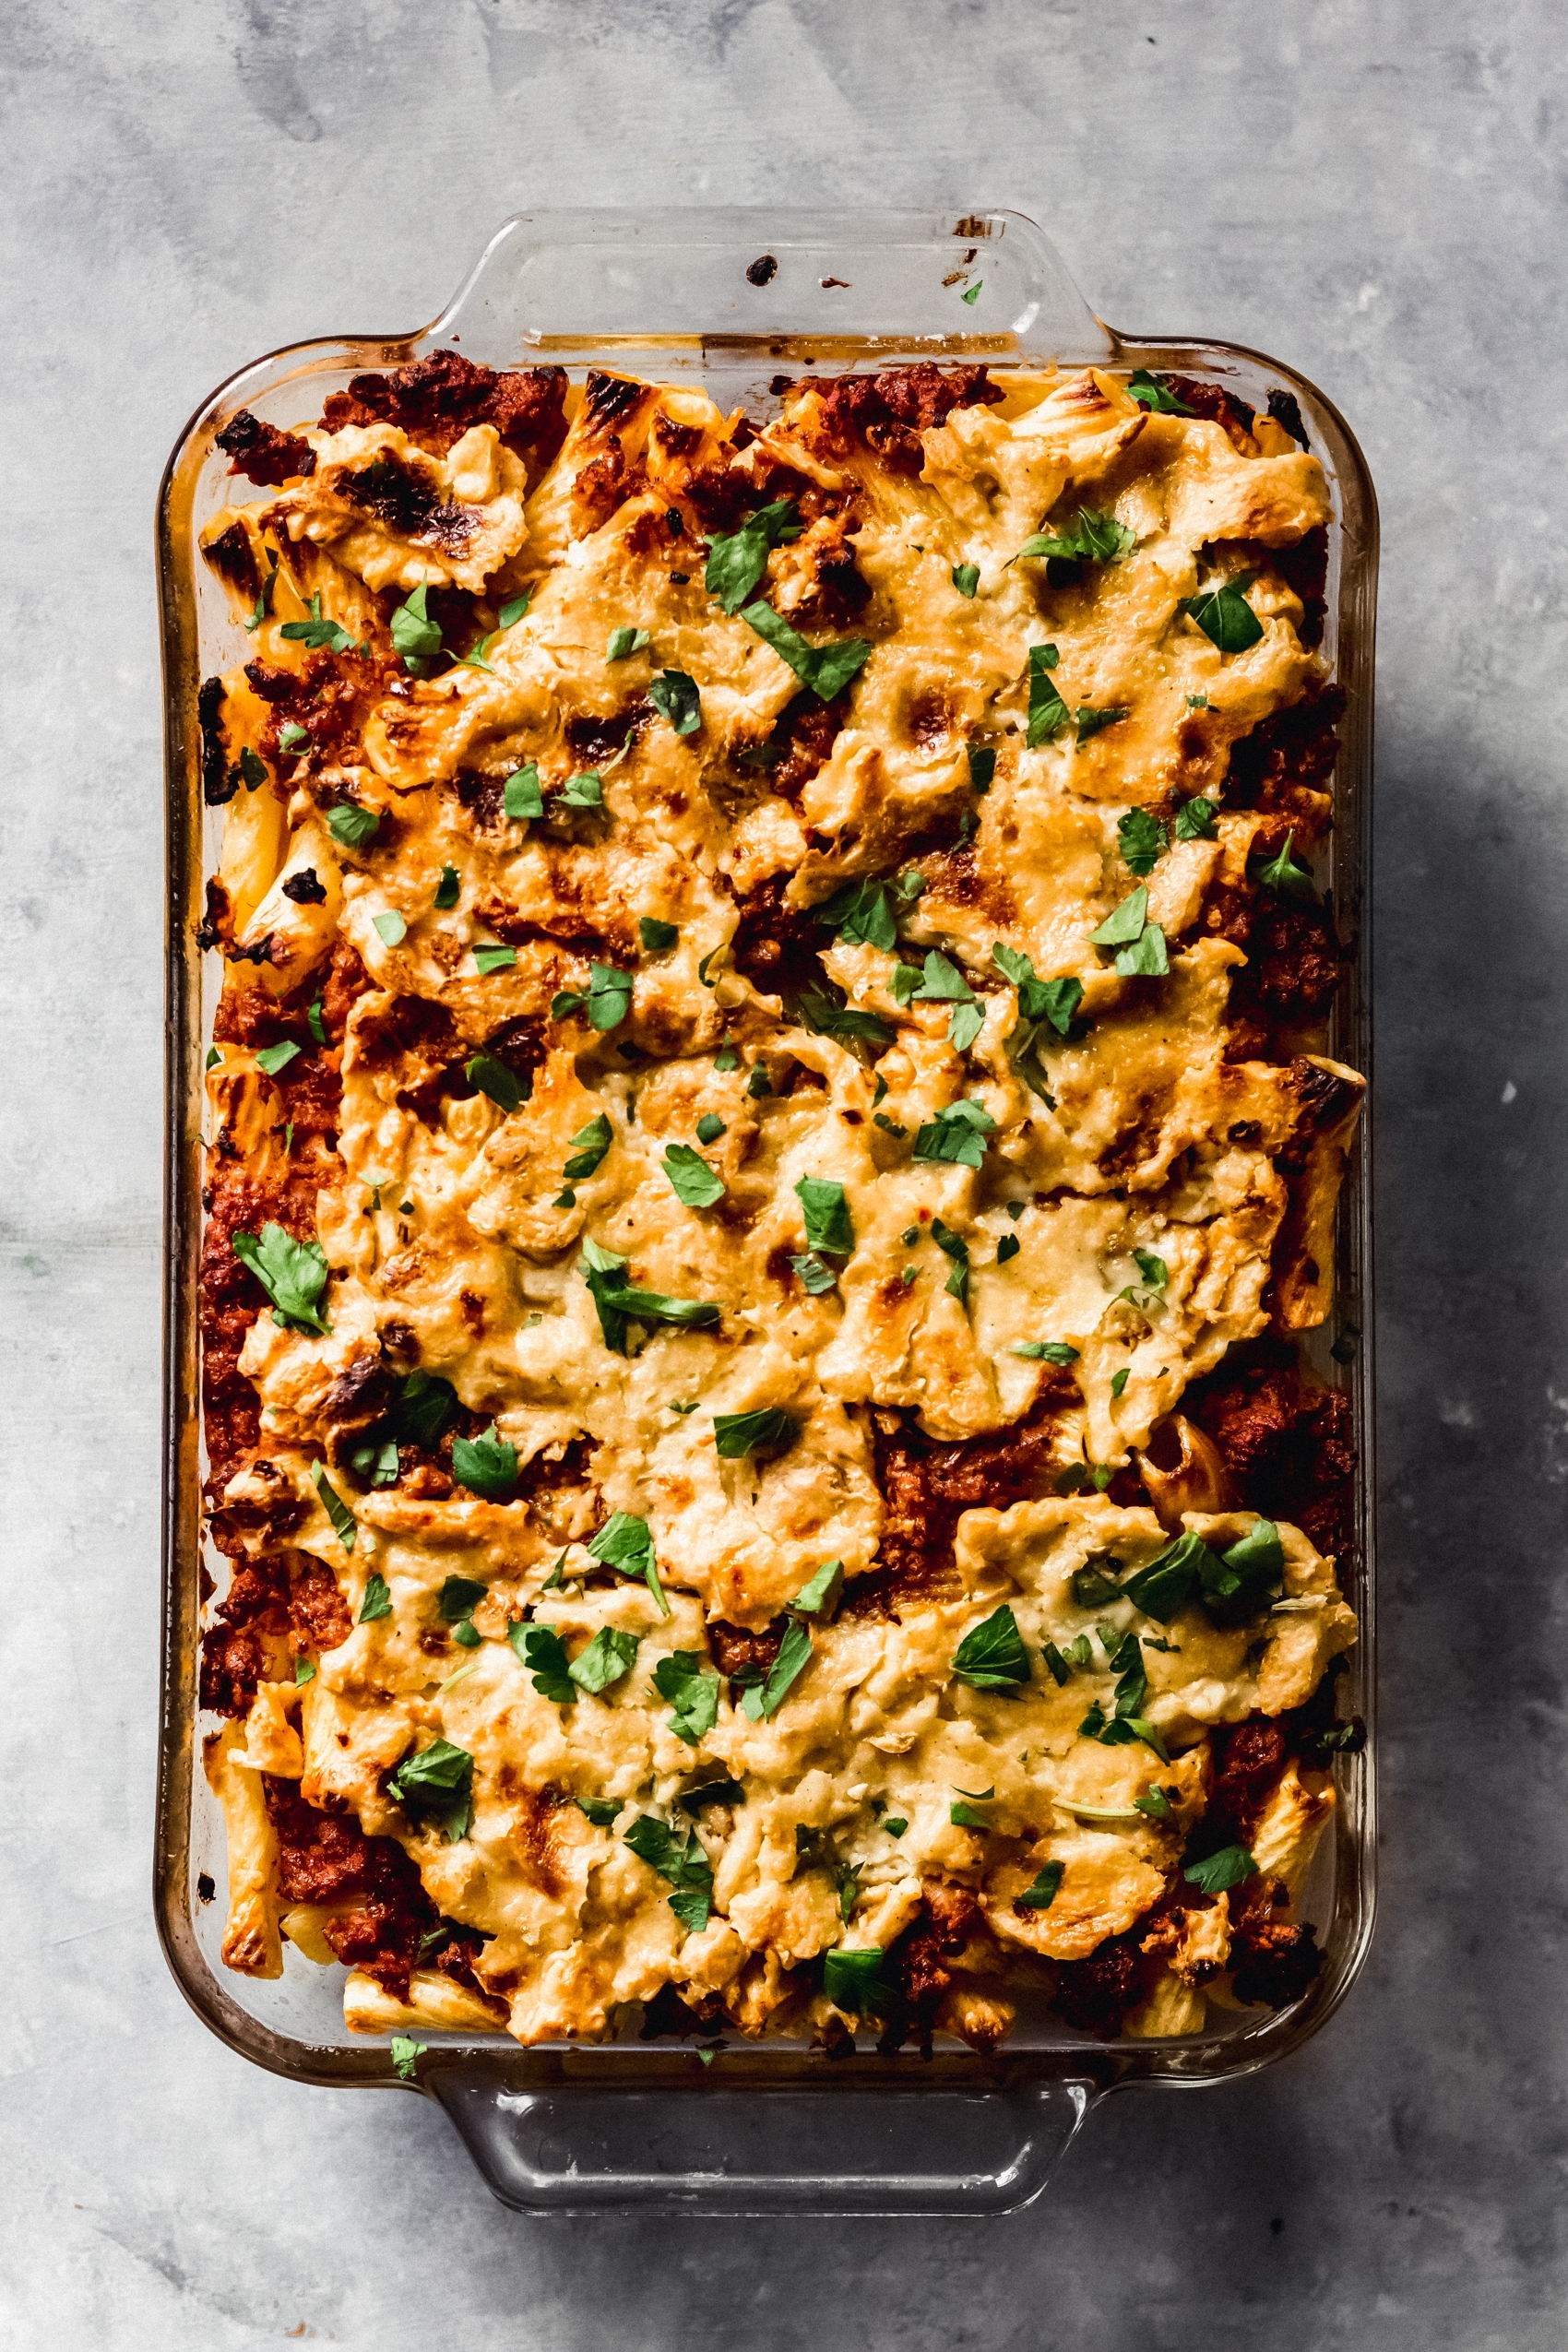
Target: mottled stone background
{"points": [[1375, 191]]}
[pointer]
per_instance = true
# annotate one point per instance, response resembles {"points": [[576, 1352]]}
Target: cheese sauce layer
{"points": [[769, 1141]]}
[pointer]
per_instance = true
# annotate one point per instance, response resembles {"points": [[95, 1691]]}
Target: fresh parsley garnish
{"points": [[377, 1601], [1007, 1248], [683, 1863], [853, 1980], [498, 1080], [965, 579], [738, 1434], [492, 958], [589, 1147], [1216, 1872], [293, 737], [543, 1652], [953, 1246], [1089, 721], [1054, 1351], [436, 1785], [820, 1597], [520, 795], [353, 827], [610, 1655], [816, 1276], [1048, 713], [941, 983], [582, 792], [827, 670], [292, 1274], [274, 1059], [414, 635], [826, 1213], [625, 642], [314, 1012], [657, 936], [317, 634], [1043, 1893], [763, 1699], [973, 295], [1152, 394], [691, 1179], [710, 1127], [405, 2054], [1140, 944], [390, 928], [625, 1544], [1283, 874], [991, 1656], [866, 913], [1194, 819], [675, 698], [1155, 1803], [957, 1135], [446, 888], [603, 1811], [263, 604], [1232, 1587], [1118, 1380], [618, 1302], [693, 1690], [253, 769], [486, 1465], [737, 561], [830, 1017], [475, 657], [1142, 839], [343, 1522], [607, 1003], [1225, 617], [516, 609], [982, 768], [1090, 538]]}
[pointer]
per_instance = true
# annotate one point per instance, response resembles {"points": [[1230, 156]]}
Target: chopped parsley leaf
{"points": [[1141, 838], [608, 1657], [965, 579], [377, 1601], [1148, 390], [625, 642], [736, 562], [957, 1135], [292, 1274], [1216, 1872], [690, 1178], [982, 768], [584, 791], [675, 698], [738, 1434], [817, 1276], [520, 795], [541, 1650], [414, 635], [693, 1690], [765, 1698], [437, 1784], [353, 827], [486, 1465], [1048, 713], [589, 1147], [826, 1214], [827, 670], [1282, 873], [709, 1127], [496, 1079], [657, 936], [1194, 819], [446, 889], [390, 927], [516, 610], [820, 1597], [625, 1544], [684, 1864], [1224, 615], [405, 2053], [1043, 1893], [317, 634], [991, 1656], [276, 1058]]}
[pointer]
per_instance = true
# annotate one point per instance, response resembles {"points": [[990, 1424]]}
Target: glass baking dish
{"points": [[729, 299]]}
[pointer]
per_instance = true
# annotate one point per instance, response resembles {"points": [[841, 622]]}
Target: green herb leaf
{"points": [[1164, 1588], [1009, 1247], [589, 1147], [1118, 1380], [603, 1811], [1194, 819], [816, 1009], [957, 1135], [437, 1785], [1043, 1893], [293, 737], [694, 1692], [610, 996], [1216, 1872], [274, 1059], [498, 1080], [292, 1274], [815, 1276], [425, 1405], [973, 294], [1056, 1665], [991, 1656], [353, 827], [820, 1597], [1282, 873], [982, 768], [691, 1179], [263, 604], [711, 1792], [625, 1544], [520, 795], [965, 579], [738, 1434], [826, 1213], [625, 642], [1153, 1268], [317, 634], [474, 658], [391, 927], [1048, 713], [414, 635], [1141, 838], [458, 1598], [312, 1015], [252, 770], [610, 1655], [675, 698], [494, 959], [619, 1303], [827, 670], [304, 1671], [543, 1650], [758, 1084], [888, 1126], [942, 981], [516, 609], [710, 1127], [1090, 538], [584, 791], [405, 2053], [764, 1699], [1155, 1803], [895, 1826], [1054, 1351], [486, 1465], [446, 889], [657, 936], [1154, 395], [377, 1599], [853, 1980], [1126, 924], [1225, 617], [682, 1863], [862, 913], [1093, 1589], [1146, 957], [964, 1025], [737, 561]]}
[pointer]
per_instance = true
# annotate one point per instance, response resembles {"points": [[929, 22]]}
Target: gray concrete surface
{"points": [[1376, 192]]}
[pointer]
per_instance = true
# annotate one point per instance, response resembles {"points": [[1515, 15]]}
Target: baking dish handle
{"points": [[756, 2151]]}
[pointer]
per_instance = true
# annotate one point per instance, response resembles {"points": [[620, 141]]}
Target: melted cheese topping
{"points": [[1129, 1206]]}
